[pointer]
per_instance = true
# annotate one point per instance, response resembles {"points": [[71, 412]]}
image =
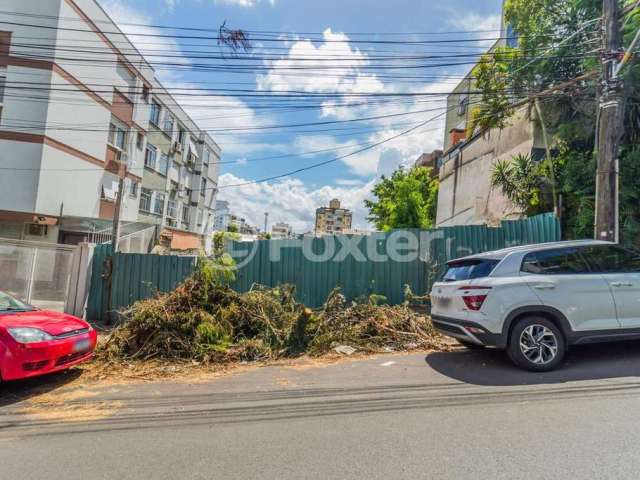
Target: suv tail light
{"points": [[474, 302]]}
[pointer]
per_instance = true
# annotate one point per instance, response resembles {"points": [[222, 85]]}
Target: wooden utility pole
{"points": [[610, 128]]}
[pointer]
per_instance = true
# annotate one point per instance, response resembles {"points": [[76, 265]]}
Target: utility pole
{"points": [[610, 128], [115, 232]]}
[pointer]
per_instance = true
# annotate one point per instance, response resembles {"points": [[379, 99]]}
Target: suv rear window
{"points": [[469, 269], [562, 261]]}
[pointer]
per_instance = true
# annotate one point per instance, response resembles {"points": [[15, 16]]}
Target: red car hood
{"points": [[54, 323]]}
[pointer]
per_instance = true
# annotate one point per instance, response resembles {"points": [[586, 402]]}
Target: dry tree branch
{"points": [[234, 39]]}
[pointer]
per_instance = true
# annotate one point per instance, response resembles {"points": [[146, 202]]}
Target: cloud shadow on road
{"points": [[492, 367]]}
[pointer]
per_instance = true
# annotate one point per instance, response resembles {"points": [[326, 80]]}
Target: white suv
{"points": [[536, 300]]}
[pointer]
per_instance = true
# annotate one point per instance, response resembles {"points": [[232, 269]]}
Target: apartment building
{"points": [[221, 216], [240, 225], [93, 113], [281, 230], [333, 219], [180, 179]]}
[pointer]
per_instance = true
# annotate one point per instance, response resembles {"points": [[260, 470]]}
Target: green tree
{"points": [[406, 199], [522, 181], [555, 43]]}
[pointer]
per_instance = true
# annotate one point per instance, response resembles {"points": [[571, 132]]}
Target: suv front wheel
{"points": [[536, 344]]}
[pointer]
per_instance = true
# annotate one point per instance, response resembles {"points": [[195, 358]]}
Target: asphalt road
{"points": [[444, 415]]}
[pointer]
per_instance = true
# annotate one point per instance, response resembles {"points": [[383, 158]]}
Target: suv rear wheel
{"points": [[536, 344]]}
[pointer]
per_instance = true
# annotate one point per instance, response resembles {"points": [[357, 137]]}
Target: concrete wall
{"points": [[18, 190], [466, 196], [79, 191]]}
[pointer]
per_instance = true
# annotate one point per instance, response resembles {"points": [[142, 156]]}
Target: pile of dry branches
{"points": [[206, 321], [370, 327]]}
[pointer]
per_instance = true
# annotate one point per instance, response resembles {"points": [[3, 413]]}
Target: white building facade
{"points": [[76, 102], [222, 216], [281, 230]]}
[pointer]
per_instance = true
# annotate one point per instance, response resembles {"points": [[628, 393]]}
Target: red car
{"points": [[34, 342]]}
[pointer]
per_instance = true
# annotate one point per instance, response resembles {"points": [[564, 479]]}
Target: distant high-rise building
{"points": [[222, 214], [333, 219], [281, 230]]}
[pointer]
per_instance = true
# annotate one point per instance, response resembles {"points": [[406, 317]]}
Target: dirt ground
{"points": [[69, 396]]}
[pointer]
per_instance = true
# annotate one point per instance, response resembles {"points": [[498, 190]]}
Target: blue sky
{"points": [[326, 28]]}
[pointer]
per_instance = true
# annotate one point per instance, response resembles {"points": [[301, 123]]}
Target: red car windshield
{"points": [[11, 304]]}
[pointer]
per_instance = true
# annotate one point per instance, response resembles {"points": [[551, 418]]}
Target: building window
{"points": [[463, 105], [181, 135], [117, 137], [172, 209], [200, 217], [150, 156], [185, 215], [206, 156], [163, 164], [203, 186], [155, 113], [139, 141], [145, 93], [145, 200], [168, 124], [133, 189], [158, 204]]}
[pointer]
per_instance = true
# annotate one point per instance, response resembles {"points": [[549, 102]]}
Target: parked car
{"points": [[34, 342], [535, 301]]}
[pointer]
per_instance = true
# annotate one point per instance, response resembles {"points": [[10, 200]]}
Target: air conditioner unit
{"points": [[37, 230]]}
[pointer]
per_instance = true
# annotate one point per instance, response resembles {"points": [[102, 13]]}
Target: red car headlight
{"points": [[29, 335]]}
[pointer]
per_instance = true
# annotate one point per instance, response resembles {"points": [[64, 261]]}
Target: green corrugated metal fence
{"points": [[314, 280], [134, 277], [138, 276]]}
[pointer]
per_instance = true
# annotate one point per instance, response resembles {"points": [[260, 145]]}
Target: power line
{"points": [[263, 39], [342, 157]]}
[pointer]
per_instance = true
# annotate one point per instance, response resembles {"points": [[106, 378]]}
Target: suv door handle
{"points": [[545, 286], [621, 284]]}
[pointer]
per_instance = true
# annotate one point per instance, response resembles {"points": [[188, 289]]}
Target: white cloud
{"points": [[171, 4], [482, 26], [348, 182], [344, 76], [291, 201], [242, 3], [210, 112], [349, 77], [151, 42]]}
